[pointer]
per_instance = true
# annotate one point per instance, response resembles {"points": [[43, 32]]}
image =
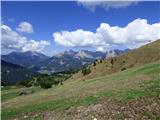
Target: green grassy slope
{"points": [[146, 54], [13, 92], [129, 84]]}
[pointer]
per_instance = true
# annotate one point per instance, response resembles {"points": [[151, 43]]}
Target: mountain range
{"points": [[18, 66], [59, 62], [26, 59]]}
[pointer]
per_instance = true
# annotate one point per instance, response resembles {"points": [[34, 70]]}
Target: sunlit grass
{"points": [[130, 84]]}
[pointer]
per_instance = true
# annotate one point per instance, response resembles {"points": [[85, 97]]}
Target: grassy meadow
{"points": [[123, 86]]}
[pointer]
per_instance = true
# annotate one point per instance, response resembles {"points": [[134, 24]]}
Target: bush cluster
{"points": [[46, 81], [86, 71], [123, 69], [46, 84]]}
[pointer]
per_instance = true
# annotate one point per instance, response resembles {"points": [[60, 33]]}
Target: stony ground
{"points": [[141, 109]]}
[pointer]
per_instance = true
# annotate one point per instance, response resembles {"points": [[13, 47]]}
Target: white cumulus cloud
{"points": [[93, 4], [76, 38], [133, 35], [12, 41], [25, 27]]}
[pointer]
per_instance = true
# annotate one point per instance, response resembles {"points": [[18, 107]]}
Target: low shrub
{"points": [[86, 71], [45, 85], [123, 69], [100, 61], [112, 62], [94, 64]]}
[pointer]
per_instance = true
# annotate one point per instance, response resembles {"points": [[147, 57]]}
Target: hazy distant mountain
{"points": [[26, 59], [11, 73], [74, 60], [60, 62], [116, 52]]}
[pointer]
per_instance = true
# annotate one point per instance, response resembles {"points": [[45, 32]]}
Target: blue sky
{"points": [[50, 17]]}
